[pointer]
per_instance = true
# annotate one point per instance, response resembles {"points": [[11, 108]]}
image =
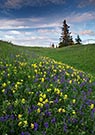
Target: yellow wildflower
{"points": [[91, 106], [20, 123], [44, 96], [63, 110], [65, 96], [38, 110], [29, 76], [70, 81], [73, 101], [46, 101], [49, 89], [19, 116], [32, 125], [41, 99], [23, 100], [73, 112], [25, 122], [60, 110], [4, 85], [3, 90], [42, 80]]}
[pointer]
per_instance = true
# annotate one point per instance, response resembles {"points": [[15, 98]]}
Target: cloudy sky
{"points": [[38, 22]]}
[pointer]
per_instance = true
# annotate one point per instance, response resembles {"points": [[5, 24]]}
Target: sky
{"points": [[39, 22]]}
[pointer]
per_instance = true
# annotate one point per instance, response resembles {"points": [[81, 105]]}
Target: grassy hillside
{"points": [[41, 96], [80, 57]]}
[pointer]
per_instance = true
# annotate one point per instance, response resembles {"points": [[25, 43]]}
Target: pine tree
{"points": [[78, 40], [66, 38]]}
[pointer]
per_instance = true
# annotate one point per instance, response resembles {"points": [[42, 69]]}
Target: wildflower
{"points": [[73, 112], [32, 125], [35, 71], [46, 125], [73, 101], [13, 91], [46, 101], [18, 83], [70, 81], [19, 116], [60, 110], [40, 104], [41, 99], [29, 76], [63, 110], [3, 90], [35, 126], [51, 102], [34, 65], [25, 123], [38, 110], [91, 106], [4, 85], [53, 120], [42, 80], [23, 100], [48, 90], [65, 96], [44, 96], [20, 123]]}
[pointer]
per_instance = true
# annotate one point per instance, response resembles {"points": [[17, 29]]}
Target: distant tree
{"points": [[78, 40], [52, 45], [65, 39]]}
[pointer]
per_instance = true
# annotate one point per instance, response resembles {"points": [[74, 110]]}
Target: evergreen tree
{"points": [[78, 40], [66, 38]]}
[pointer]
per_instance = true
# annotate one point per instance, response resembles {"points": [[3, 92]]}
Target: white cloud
{"points": [[85, 3], [14, 32], [81, 17], [27, 23], [88, 32], [14, 4]]}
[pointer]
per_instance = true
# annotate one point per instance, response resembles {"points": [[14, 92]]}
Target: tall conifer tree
{"points": [[66, 38]]}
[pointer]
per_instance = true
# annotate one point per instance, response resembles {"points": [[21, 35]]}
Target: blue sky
{"points": [[38, 22]]}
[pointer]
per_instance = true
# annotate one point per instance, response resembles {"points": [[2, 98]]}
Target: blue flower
{"points": [[46, 124], [36, 126]]}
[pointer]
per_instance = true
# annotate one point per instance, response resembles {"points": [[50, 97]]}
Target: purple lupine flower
{"points": [[47, 105], [53, 120], [12, 116], [36, 126], [46, 124], [47, 113], [34, 107], [56, 100], [2, 119], [29, 110], [65, 127], [25, 133], [22, 133]]}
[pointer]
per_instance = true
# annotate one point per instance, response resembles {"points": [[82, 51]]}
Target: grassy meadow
{"points": [[80, 57], [47, 91]]}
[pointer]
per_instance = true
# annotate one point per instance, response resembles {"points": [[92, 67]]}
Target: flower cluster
{"points": [[46, 97]]}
